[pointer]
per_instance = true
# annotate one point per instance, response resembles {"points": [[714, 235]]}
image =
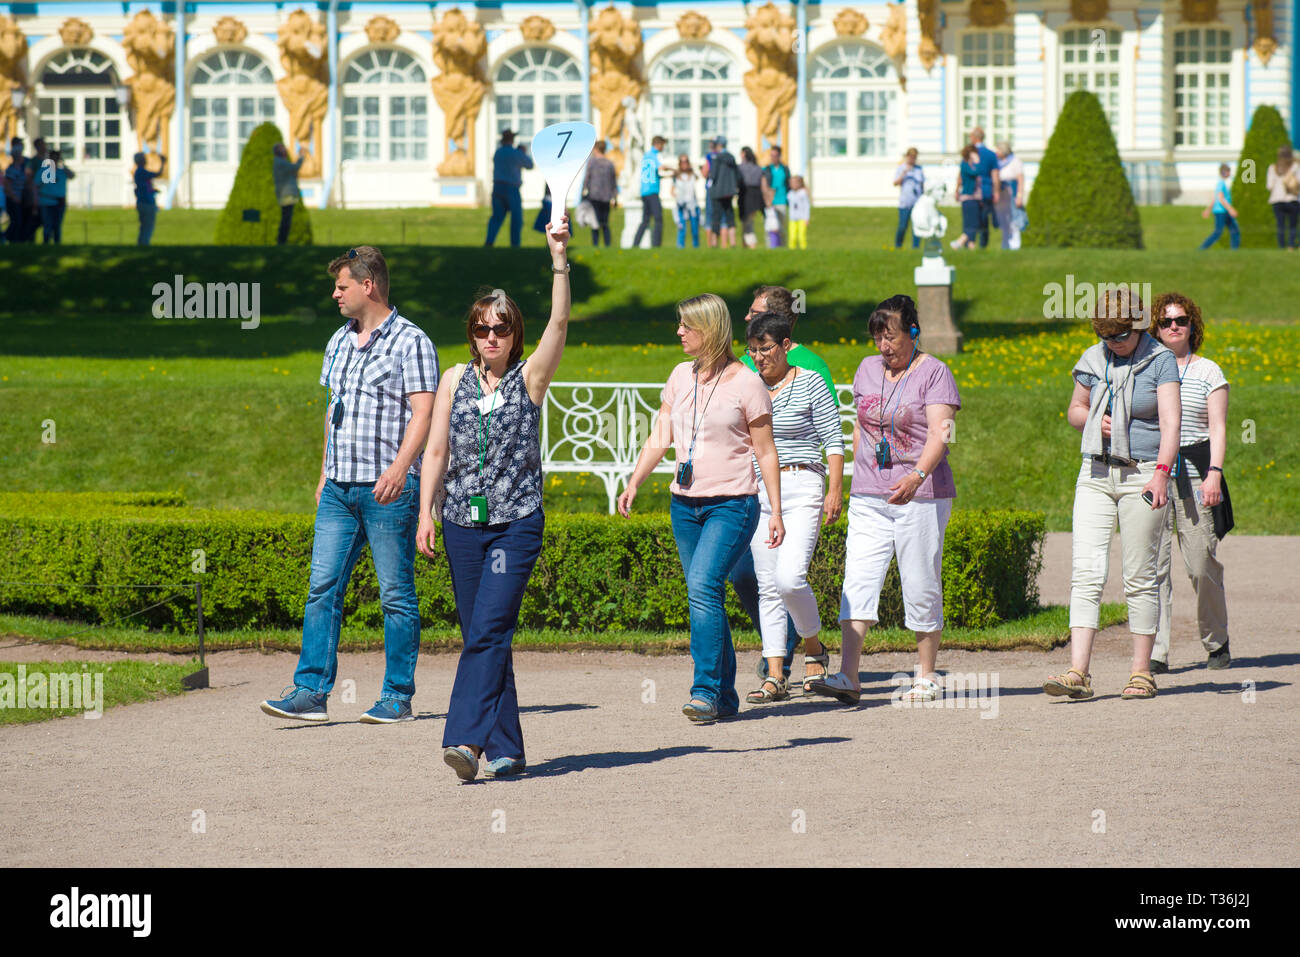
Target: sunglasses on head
{"points": [[1118, 337], [501, 330], [1164, 322]]}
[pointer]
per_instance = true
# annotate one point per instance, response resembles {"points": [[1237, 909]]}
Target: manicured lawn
{"points": [[119, 682]]}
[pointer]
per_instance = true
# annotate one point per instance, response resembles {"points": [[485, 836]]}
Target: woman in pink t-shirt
{"points": [[715, 413], [901, 495]]}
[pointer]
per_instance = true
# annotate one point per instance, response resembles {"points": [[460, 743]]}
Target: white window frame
{"points": [[232, 76], [106, 109], [868, 71], [1224, 68], [548, 78], [395, 83], [998, 124], [698, 83], [1108, 59]]}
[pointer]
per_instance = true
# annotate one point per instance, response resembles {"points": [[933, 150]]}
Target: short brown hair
{"points": [[1196, 327], [1118, 310], [777, 299], [491, 305], [362, 263]]}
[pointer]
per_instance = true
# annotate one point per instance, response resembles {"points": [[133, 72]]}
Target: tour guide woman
{"points": [[716, 414], [485, 451]]}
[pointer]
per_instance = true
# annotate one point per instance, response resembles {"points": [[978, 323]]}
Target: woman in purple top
{"points": [[901, 495]]}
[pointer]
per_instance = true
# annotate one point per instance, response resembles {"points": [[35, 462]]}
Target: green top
{"points": [[802, 357]]}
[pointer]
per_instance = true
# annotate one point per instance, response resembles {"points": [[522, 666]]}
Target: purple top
{"points": [[928, 382]]}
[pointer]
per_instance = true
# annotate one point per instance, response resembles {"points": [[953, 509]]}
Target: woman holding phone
{"points": [[484, 455], [716, 414]]}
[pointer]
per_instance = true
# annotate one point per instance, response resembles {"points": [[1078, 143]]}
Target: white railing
{"points": [[600, 427]]}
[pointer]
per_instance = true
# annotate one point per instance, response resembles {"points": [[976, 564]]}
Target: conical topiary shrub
{"points": [[1081, 196], [254, 189], [1250, 186]]}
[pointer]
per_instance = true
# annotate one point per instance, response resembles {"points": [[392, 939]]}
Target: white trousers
{"points": [[782, 573], [1103, 496], [1005, 211], [877, 533]]}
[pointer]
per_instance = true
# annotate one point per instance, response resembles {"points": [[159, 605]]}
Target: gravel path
{"points": [[1204, 775]]}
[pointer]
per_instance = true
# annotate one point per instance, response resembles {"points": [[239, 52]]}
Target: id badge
{"points": [[478, 511]]}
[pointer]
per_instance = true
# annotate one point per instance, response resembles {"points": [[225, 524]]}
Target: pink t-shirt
{"points": [[929, 382], [721, 460]]}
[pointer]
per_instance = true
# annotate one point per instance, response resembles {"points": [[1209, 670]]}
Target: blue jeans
{"points": [[506, 199], [347, 518], [490, 568], [148, 214], [904, 214], [712, 534], [684, 217], [985, 214], [970, 219], [1220, 221], [745, 582]]}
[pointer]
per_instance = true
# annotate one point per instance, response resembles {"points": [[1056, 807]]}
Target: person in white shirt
{"points": [[800, 212], [1011, 197], [1198, 483], [1283, 179], [686, 204]]}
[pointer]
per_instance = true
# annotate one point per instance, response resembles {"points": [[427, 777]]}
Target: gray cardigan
{"points": [[601, 182]]}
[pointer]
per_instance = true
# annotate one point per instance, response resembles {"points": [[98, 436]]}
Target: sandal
{"points": [[837, 686], [923, 689], [1140, 685], [824, 659], [1062, 685], [781, 691]]}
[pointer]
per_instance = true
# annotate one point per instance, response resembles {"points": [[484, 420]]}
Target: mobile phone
{"points": [[1149, 499]]}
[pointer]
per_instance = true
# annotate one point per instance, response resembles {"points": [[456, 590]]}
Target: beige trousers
{"points": [[1194, 526]]}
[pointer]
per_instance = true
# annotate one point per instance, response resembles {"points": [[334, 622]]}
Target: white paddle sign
{"points": [[559, 151]]}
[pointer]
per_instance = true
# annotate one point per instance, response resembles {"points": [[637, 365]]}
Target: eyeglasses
{"points": [[764, 351], [501, 331], [1118, 337], [1164, 322]]}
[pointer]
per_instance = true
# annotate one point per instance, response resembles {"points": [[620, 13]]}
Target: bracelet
{"points": [[558, 271], [1215, 468], [1161, 467]]}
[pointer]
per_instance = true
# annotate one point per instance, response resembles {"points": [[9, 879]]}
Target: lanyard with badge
{"points": [[882, 447], [478, 504], [686, 470]]}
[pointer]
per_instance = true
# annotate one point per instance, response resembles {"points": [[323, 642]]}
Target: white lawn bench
{"points": [[600, 427]]}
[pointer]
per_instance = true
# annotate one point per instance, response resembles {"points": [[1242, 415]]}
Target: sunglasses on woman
{"points": [[1118, 337], [1164, 322], [501, 330]]}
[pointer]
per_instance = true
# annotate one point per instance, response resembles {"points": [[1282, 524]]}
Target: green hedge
{"points": [[1267, 132], [254, 188], [596, 573]]}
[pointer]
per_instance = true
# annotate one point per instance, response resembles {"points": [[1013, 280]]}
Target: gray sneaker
{"points": [[1219, 659], [301, 705], [388, 711]]}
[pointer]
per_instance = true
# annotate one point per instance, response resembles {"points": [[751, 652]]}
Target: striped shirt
{"points": [[805, 420], [371, 384], [1200, 377]]}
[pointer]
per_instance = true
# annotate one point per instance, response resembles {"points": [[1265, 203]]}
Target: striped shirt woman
{"points": [[805, 422]]}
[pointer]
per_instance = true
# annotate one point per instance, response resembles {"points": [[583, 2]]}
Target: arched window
{"points": [[535, 87], [854, 101], [988, 83], [389, 122], [1090, 61], [1202, 68], [695, 96], [232, 92], [77, 102]]}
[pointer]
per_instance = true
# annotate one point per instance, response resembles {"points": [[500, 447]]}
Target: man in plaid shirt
{"points": [[382, 372]]}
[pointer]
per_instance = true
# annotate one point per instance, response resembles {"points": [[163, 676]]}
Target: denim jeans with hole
{"points": [[712, 534], [347, 518]]}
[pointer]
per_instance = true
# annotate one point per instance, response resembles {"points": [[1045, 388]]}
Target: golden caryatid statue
{"points": [[1265, 46], [771, 83], [929, 49], [615, 46], [305, 86], [13, 75], [893, 35], [151, 53], [459, 45]]}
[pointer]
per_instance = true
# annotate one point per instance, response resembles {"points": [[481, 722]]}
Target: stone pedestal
{"points": [[457, 191], [939, 332], [631, 220]]}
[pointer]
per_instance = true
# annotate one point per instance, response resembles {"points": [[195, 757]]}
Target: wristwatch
{"points": [[564, 270], [920, 472]]}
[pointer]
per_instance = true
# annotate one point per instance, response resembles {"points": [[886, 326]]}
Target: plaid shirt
{"points": [[372, 384]]}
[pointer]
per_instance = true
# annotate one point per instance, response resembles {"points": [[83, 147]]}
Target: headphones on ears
{"points": [[915, 332]]}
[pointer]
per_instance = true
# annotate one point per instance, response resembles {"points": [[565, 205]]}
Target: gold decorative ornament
{"points": [[75, 32], [988, 13], [228, 30], [893, 35], [615, 45], [850, 23], [693, 26], [304, 90], [382, 29], [929, 50], [537, 29], [13, 75], [1200, 11], [1089, 11], [150, 46], [459, 46], [1264, 46], [771, 84]]}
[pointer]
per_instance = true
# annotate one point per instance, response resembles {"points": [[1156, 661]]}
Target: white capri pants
{"points": [[1104, 495], [782, 572], [877, 533]]}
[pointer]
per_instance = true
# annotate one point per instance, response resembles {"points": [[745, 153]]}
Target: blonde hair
{"points": [[707, 314]]}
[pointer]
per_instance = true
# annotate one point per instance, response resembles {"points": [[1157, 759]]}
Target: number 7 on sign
{"points": [[559, 164]]}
